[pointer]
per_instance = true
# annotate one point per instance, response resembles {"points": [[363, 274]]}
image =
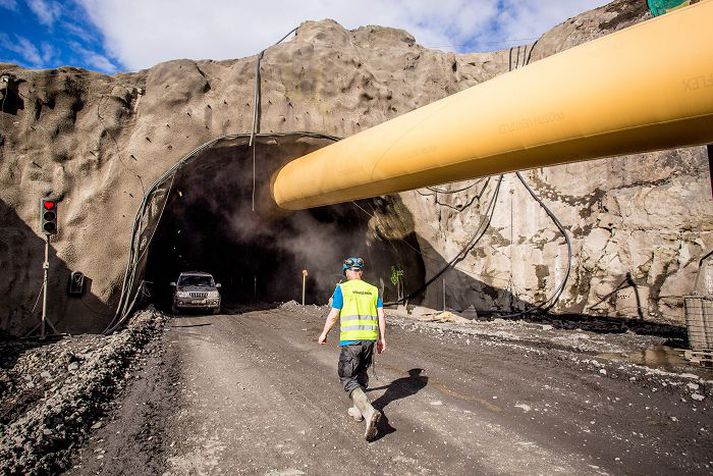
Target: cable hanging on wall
{"points": [[549, 302], [522, 58], [479, 233], [433, 192], [257, 96]]}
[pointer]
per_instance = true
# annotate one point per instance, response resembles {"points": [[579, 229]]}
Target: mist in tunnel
{"points": [[258, 255]]}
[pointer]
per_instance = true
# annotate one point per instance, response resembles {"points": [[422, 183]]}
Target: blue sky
{"points": [[125, 35], [42, 34]]}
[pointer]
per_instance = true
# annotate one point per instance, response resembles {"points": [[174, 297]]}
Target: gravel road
{"points": [[253, 393]]}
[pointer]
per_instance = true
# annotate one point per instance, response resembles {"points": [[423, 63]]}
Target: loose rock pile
{"points": [[294, 306], [51, 395]]}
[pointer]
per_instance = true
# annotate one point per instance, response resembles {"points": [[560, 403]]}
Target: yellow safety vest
{"points": [[357, 318]]}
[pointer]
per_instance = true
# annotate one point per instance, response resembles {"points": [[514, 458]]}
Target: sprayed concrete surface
{"points": [[253, 393]]}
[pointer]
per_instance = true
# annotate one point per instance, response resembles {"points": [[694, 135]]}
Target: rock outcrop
{"points": [[98, 142]]}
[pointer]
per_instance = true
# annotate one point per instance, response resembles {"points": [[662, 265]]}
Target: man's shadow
{"points": [[400, 388]]}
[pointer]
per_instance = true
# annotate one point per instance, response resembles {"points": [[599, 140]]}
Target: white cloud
{"points": [[20, 45], [141, 34], [101, 63], [47, 52], [527, 19], [9, 4], [47, 11], [78, 32], [92, 58]]}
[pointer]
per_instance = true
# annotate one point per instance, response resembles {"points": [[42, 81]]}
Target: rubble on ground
{"points": [[445, 316], [612, 354], [526, 332], [294, 306], [52, 394]]}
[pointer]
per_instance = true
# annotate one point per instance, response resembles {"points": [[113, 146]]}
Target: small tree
{"points": [[397, 279]]}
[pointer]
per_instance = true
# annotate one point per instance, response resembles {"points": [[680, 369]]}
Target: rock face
{"points": [[98, 142]]}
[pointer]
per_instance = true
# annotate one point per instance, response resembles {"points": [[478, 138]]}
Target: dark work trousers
{"points": [[354, 360]]}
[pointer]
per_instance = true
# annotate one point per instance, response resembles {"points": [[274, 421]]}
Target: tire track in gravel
{"points": [[289, 400], [253, 393]]}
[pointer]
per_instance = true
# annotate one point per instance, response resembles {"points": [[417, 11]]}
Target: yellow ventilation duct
{"points": [[648, 87]]}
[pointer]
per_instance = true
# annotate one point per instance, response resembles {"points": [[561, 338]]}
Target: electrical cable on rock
{"points": [[256, 112], [549, 302], [480, 232]]}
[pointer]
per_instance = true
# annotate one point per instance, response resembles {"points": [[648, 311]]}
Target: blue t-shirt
{"points": [[338, 303]]}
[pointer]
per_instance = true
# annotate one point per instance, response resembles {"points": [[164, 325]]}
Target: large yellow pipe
{"points": [[648, 87]]}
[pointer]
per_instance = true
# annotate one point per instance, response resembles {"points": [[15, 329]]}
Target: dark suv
{"points": [[196, 290]]}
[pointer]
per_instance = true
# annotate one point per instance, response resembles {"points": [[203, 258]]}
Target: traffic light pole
{"points": [[45, 281], [46, 268]]}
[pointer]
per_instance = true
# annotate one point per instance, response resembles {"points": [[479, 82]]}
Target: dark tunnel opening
{"points": [[208, 224]]}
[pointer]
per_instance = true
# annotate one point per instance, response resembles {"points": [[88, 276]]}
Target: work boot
{"points": [[371, 415], [355, 413]]}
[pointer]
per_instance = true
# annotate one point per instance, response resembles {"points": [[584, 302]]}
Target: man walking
{"points": [[359, 308]]}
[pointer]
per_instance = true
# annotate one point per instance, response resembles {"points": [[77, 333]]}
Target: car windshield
{"points": [[195, 280]]}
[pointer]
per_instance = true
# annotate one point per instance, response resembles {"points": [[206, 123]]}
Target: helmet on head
{"points": [[354, 263]]}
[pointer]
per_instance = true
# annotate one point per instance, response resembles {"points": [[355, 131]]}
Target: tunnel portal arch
{"points": [[199, 215]]}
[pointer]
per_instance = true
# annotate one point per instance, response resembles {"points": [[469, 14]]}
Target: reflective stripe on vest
{"points": [[357, 318]]}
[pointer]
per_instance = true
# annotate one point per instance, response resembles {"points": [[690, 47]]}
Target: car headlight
{"points": [[213, 294], [182, 294]]}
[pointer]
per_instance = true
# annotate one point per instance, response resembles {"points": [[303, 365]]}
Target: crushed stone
{"points": [[42, 419]]}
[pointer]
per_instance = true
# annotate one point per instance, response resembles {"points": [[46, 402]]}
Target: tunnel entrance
{"points": [[215, 221]]}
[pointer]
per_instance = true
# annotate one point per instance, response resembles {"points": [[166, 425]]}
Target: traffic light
{"points": [[48, 218]]}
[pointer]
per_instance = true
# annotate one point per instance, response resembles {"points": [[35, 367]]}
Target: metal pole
{"points": [[444, 293], [45, 267], [305, 273], [304, 282], [254, 287]]}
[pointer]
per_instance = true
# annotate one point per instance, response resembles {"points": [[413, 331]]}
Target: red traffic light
{"points": [[48, 215]]}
